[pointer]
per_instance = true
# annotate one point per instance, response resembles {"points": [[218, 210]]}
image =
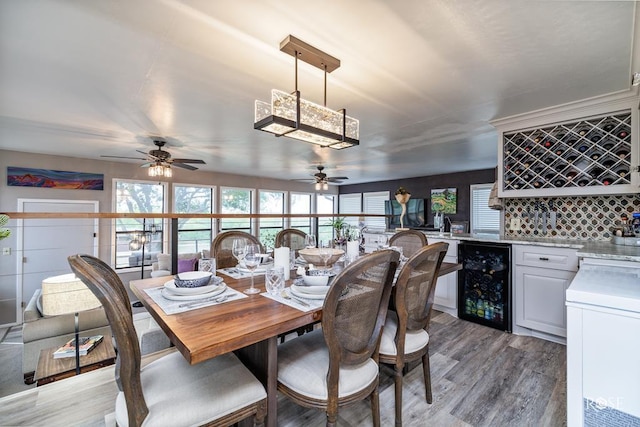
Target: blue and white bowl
{"points": [[192, 279]]}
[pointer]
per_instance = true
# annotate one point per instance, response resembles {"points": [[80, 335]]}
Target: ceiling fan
{"points": [[160, 160], [321, 179]]}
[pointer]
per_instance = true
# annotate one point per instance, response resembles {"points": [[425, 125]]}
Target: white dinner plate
{"points": [[310, 290], [305, 295], [169, 295], [214, 283]]}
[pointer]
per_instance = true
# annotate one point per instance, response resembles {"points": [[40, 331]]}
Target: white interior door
{"points": [[46, 243]]}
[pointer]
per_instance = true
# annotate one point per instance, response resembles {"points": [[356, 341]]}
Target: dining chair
{"points": [[411, 241], [168, 391], [405, 336], [338, 364], [223, 243], [290, 238]]}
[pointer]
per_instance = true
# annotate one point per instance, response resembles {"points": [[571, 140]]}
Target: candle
{"points": [[281, 259]]}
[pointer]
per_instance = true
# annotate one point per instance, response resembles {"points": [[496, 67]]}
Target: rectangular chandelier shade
{"points": [[294, 117]]}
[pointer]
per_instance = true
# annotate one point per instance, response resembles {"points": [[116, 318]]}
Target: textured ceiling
{"points": [[425, 77]]}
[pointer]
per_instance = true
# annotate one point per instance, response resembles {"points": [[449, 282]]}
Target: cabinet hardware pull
{"points": [[544, 258]]}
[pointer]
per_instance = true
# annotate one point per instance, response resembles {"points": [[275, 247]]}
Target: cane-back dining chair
{"points": [[405, 337], [338, 364], [223, 243], [168, 391], [411, 241], [291, 238]]}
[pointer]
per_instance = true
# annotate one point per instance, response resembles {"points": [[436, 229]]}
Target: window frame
{"points": [[213, 222], [472, 201]]}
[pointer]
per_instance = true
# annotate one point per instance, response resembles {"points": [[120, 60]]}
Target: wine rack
{"points": [[592, 152]]}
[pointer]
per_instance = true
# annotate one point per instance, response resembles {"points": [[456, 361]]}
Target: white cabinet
{"points": [[603, 343], [446, 295], [541, 276]]}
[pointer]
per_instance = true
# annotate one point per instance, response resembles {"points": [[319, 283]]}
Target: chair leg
{"points": [[427, 376], [375, 407], [398, 388]]}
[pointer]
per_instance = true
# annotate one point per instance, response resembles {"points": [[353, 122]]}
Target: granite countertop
{"points": [[586, 248]]}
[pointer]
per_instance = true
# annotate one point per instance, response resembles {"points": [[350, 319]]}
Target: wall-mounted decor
{"points": [[46, 178], [444, 200]]}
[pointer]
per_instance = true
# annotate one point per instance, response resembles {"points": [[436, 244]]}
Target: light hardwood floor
{"points": [[480, 377]]}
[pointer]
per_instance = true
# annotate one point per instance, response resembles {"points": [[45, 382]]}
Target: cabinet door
{"points": [[446, 294], [539, 297]]}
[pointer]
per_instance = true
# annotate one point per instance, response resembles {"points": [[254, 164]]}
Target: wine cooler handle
{"points": [[544, 258]]}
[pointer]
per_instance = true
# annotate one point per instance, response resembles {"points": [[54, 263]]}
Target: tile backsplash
{"points": [[579, 217]]}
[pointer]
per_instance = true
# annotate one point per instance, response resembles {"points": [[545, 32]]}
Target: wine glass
{"points": [[309, 241], [238, 249], [325, 251], [252, 258]]}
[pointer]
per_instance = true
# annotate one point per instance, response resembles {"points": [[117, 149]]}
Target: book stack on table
{"points": [[86, 345]]}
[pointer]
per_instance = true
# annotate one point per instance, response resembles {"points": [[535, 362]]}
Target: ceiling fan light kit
{"points": [[294, 117]]}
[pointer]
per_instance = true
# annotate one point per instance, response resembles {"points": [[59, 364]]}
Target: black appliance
{"points": [[484, 284]]}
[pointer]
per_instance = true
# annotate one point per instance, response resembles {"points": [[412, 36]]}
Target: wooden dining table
{"points": [[247, 326]]}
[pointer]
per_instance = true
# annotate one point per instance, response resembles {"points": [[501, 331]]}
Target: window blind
{"points": [[373, 203], [350, 204], [483, 219]]}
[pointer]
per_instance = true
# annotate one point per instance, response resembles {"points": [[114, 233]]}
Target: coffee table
{"points": [[50, 369]]}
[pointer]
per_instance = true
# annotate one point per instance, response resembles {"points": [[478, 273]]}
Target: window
{"points": [[271, 202], [483, 219], [373, 203], [325, 204], [194, 234], [133, 236], [235, 201], [300, 203], [351, 204]]}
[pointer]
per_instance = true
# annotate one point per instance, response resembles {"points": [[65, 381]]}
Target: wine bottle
{"points": [[595, 138], [607, 163], [571, 175], [608, 146], [596, 172], [559, 152], [595, 156], [622, 134], [559, 182], [582, 148], [583, 182], [571, 158], [607, 180], [608, 127], [622, 153], [622, 172], [547, 143]]}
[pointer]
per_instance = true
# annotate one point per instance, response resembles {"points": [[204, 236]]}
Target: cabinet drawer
{"points": [[547, 257]]}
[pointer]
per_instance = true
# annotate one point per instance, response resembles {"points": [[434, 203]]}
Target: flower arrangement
{"points": [[4, 232]]}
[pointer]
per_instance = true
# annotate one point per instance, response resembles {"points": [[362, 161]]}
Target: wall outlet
{"points": [[515, 223], [6, 251]]}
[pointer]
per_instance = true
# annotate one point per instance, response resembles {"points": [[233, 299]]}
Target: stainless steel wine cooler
{"points": [[484, 284]]}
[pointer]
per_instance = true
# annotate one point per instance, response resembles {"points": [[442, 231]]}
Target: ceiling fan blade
{"points": [[124, 157], [198, 161], [147, 165], [337, 177], [304, 179], [184, 166]]}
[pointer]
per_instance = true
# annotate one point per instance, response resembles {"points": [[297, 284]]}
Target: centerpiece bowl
{"points": [[312, 256]]}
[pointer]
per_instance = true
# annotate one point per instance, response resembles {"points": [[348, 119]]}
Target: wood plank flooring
{"points": [[480, 377]]}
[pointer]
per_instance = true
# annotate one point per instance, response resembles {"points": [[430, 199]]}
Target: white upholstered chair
{"points": [[337, 365], [169, 392], [405, 336]]}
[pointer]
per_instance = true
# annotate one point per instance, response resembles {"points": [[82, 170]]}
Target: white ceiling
{"points": [[425, 77]]}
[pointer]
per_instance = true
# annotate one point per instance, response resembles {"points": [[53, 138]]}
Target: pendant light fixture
{"points": [[160, 169], [294, 117]]}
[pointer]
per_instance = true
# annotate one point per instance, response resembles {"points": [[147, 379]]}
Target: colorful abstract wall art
{"points": [[444, 200], [46, 178]]}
